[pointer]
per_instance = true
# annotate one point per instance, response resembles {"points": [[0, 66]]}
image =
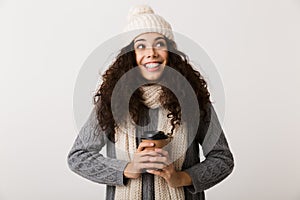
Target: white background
{"points": [[255, 46]]}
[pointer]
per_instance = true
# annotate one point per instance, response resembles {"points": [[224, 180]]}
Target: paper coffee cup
{"points": [[157, 137]]}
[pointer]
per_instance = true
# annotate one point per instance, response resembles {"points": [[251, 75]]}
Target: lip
{"points": [[152, 62], [152, 69]]}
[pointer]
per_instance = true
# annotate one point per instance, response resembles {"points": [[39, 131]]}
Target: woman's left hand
{"points": [[173, 178]]}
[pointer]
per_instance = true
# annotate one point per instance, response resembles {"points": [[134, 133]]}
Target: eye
{"points": [[160, 44], [140, 46]]}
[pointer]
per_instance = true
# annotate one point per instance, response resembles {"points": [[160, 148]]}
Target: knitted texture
{"points": [[151, 95], [142, 19], [126, 147]]}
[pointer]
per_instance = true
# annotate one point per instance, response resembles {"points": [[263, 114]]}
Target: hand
{"points": [[142, 159], [173, 178]]}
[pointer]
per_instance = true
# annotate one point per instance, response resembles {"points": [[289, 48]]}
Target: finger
{"points": [[156, 172], [153, 159], [163, 152], [144, 159], [144, 145], [149, 153], [160, 159], [152, 165]]}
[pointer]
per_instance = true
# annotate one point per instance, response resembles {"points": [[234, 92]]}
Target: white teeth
{"points": [[152, 65]]}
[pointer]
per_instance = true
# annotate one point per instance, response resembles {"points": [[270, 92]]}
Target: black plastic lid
{"points": [[154, 135]]}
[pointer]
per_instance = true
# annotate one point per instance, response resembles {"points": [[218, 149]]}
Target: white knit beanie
{"points": [[142, 19]]}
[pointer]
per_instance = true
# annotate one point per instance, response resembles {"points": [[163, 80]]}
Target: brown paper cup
{"points": [[157, 143]]}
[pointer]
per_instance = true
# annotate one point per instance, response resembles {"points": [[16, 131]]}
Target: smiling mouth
{"points": [[152, 66]]}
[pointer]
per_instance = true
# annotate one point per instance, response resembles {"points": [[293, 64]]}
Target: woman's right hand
{"points": [[142, 160]]}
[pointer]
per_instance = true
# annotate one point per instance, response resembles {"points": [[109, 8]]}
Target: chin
{"points": [[152, 77]]}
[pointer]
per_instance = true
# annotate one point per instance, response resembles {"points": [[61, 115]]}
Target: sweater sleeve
{"points": [[86, 160], [218, 163]]}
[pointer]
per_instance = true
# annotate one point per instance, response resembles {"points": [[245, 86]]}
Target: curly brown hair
{"points": [[124, 62]]}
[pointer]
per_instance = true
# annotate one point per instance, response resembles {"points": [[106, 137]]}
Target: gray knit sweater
{"points": [[86, 159]]}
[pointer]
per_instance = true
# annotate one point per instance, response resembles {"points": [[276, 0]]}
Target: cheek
{"points": [[164, 55], [138, 59]]}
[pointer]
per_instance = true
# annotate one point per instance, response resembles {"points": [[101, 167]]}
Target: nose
{"points": [[151, 52]]}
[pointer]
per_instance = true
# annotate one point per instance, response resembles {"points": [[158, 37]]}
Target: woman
{"points": [[130, 171]]}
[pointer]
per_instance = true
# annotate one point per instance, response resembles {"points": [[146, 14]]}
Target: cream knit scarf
{"points": [[126, 147]]}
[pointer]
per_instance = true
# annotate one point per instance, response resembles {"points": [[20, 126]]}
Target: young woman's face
{"points": [[151, 54]]}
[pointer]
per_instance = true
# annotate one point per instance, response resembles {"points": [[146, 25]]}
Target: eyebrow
{"points": [[158, 38]]}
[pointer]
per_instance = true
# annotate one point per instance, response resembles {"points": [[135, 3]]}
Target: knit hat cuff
{"points": [[131, 35]]}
